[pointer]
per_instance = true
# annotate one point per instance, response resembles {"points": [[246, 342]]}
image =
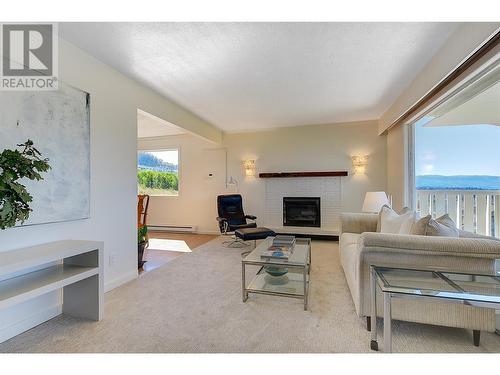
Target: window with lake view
{"points": [[457, 160]]}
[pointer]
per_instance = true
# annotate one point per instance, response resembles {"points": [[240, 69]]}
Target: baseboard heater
{"points": [[173, 228]]}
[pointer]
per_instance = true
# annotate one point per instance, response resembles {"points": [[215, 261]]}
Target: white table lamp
{"points": [[374, 200]]}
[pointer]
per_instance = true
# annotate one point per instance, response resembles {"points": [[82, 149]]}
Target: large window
{"points": [[158, 172], [457, 161]]}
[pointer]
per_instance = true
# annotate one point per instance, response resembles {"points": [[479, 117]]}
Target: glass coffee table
{"points": [[479, 290], [276, 277]]}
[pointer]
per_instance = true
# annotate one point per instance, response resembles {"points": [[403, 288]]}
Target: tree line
{"points": [[157, 180]]}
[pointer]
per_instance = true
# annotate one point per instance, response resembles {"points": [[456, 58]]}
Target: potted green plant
{"points": [[142, 242], [27, 162]]}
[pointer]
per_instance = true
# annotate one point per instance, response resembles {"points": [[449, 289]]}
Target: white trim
{"points": [[410, 189], [172, 228], [110, 285], [213, 232], [29, 322], [179, 168], [461, 84]]}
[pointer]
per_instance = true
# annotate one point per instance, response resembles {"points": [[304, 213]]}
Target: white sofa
{"points": [[361, 246]]}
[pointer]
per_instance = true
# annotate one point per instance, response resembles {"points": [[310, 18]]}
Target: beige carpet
{"points": [[193, 304]]}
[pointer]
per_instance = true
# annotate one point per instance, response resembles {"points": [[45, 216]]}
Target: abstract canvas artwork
{"points": [[58, 122]]}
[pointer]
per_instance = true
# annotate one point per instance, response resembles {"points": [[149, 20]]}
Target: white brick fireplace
{"points": [[328, 189]]}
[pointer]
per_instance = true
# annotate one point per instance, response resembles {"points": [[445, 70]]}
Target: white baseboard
{"points": [[120, 280], [214, 232], [173, 228], [31, 321]]}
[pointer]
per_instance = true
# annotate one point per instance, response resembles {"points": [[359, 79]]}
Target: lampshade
{"points": [[374, 200]]}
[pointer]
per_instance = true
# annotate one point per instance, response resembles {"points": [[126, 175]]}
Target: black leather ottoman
{"points": [[253, 234]]}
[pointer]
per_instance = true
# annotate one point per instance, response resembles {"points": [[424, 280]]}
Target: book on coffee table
{"points": [[280, 240], [281, 248], [276, 252]]}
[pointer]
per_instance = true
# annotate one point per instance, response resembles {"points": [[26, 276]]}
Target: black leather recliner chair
{"points": [[232, 217]]}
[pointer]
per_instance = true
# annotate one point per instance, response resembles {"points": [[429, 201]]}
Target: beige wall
{"points": [[310, 148], [114, 101], [305, 148]]}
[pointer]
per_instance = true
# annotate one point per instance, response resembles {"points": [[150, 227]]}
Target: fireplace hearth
{"points": [[301, 212]]}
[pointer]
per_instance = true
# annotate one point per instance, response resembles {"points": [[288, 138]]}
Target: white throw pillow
{"points": [[392, 222]]}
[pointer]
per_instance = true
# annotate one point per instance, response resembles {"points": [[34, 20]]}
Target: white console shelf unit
{"points": [[71, 265]]}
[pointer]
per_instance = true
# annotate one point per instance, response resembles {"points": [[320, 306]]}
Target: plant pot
{"points": [[140, 253]]}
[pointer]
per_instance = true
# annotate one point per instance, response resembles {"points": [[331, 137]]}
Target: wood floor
{"points": [[181, 244]]}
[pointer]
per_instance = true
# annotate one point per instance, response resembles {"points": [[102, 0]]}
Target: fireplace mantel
{"points": [[303, 174]]}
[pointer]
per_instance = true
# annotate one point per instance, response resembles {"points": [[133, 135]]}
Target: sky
{"points": [[457, 150], [170, 156]]}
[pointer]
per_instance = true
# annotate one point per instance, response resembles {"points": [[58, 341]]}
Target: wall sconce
{"points": [[249, 166], [359, 163]]}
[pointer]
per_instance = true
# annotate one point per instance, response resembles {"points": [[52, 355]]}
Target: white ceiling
{"points": [[242, 76], [151, 126]]}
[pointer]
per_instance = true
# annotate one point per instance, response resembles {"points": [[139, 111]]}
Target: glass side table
{"points": [[479, 290]]}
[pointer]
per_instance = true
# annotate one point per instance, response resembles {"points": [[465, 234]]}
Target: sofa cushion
{"points": [[446, 227], [447, 221], [435, 228], [443, 226], [420, 226], [392, 222], [403, 211]]}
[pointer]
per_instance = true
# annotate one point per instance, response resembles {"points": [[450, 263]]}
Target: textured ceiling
{"points": [[243, 76]]}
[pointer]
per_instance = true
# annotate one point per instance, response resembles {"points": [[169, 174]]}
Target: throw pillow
{"points": [[392, 222], [446, 220], [442, 226], [420, 227], [435, 228], [403, 211]]}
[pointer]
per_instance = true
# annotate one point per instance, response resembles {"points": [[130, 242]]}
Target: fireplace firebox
{"points": [[301, 212]]}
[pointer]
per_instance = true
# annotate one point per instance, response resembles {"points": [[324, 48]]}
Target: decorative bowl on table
{"points": [[276, 271]]}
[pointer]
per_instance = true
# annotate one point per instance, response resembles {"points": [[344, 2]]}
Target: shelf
{"points": [[34, 284], [290, 284], [303, 174], [16, 260]]}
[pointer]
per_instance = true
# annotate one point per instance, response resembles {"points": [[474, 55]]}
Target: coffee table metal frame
{"points": [[389, 292], [305, 269]]}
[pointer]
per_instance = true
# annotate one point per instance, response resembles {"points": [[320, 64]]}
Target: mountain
{"points": [[437, 182], [146, 160]]}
